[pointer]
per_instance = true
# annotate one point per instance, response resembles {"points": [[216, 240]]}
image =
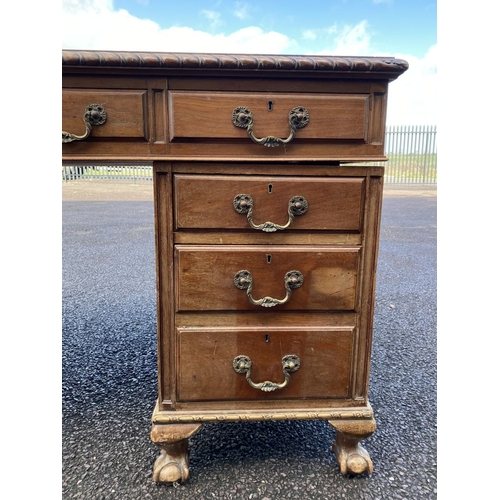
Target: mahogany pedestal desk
{"points": [[266, 238]]}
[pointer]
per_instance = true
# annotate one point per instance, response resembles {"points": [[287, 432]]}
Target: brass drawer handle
{"points": [[244, 281], [95, 114], [243, 204], [297, 118], [290, 363]]}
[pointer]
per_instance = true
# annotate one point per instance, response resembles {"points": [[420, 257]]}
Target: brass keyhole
{"points": [[270, 105]]}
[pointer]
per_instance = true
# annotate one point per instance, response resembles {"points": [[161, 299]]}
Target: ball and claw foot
{"points": [[170, 469], [172, 466], [353, 460], [352, 457]]}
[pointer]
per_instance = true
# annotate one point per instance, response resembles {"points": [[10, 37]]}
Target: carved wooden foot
{"points": [[351, 456], [173, 463]]}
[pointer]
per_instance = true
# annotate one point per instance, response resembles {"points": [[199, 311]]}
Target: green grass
{"points": [[415, 167]]}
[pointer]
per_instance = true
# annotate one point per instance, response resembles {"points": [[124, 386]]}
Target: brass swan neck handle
{"points": [[289, 363], [243, 204], [297, 118], [94, 115], [244, 281]]}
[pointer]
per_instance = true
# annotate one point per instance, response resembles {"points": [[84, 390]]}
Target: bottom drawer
{"points": [[206, 359]]}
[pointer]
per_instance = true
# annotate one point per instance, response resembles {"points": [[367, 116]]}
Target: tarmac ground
{"points": [[109, 368]]}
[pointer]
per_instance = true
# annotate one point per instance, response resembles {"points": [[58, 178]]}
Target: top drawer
{"points": [[209, 116], [268, 203]]}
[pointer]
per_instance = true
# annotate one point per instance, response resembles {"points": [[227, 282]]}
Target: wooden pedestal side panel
{"points": [[377, 128], [373, 215], [164, 287], [206, 358]]}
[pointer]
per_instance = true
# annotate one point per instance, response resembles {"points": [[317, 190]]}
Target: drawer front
{"points": [[206, 359], [125, 112], [208, 115], [206, 277], [214, 202]]}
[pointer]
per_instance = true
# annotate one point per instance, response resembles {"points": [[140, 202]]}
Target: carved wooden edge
{"points": [[389, 65], [179, 417]]}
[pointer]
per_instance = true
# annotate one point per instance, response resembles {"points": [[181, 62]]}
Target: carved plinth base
{"points": [[171, 431], [173, 463], [351, 456]]}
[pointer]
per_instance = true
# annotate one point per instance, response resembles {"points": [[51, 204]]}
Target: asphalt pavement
{"points": [[109, 368]]}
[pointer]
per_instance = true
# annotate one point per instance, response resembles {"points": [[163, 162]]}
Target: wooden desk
{"points": [[266, 237]]}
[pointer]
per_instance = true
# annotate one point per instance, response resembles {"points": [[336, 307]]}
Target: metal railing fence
{"points": [[114, 172], [411, 152]]}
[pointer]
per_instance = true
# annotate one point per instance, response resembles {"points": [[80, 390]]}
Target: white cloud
{"points": [[213, 17], [254, 40], [309, 35], [242, 10], [96, 25], [413, 96], [93, 24], [82, 5], [349, 40]]}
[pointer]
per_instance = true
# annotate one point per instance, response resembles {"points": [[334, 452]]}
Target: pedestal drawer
{"points": [[223, 202], [207, 357], [234, 277]]}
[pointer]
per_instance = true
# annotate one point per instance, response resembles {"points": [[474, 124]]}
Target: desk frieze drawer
{"points": [[268, 204], [319, 364], [126, 112], [225, 115], [257, 277]]}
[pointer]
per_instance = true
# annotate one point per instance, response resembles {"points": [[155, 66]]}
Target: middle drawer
{"points": [[239, 278]]}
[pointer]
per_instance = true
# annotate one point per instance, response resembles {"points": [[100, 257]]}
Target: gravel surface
{"points": [[109, 369]]}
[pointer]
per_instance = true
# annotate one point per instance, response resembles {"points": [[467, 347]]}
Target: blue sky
{"points": [[399, 28], [407, 26]]}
